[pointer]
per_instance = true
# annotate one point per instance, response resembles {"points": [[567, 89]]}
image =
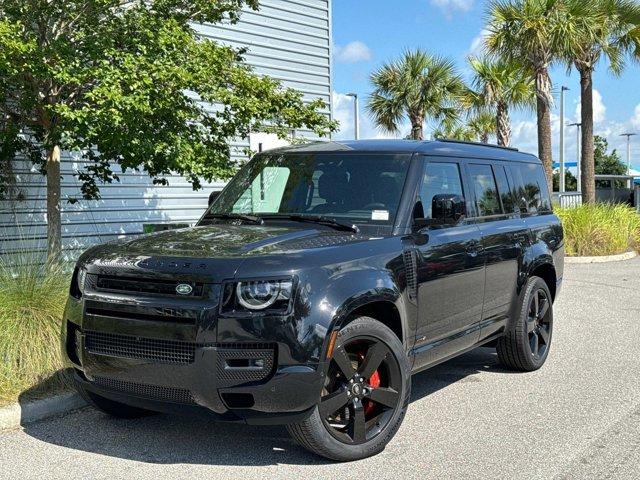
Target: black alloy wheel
{"points": [[526, 343], [365, 395], [362, 390], [539, 323]]}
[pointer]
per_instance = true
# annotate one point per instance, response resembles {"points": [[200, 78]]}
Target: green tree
{"points": [[607, 163], [596, 30], [483, 124], [476, 127], [570, 181], [502, 84], [418, 87], [131, 83], [527, 31]]}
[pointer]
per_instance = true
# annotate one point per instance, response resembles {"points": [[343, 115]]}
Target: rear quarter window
{"points": [[530, 188]]}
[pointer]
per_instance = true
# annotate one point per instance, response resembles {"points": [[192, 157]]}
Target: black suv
{"points": [[319, 280]]}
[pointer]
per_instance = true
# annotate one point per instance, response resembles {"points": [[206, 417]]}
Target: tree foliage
{"points": [[416, 87], [132, 83]]}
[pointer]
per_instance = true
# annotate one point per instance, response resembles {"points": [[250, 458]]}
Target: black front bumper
{"points": [[117, 351]]}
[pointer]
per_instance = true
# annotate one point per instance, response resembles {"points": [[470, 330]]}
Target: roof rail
{"points": [[479, 144]]}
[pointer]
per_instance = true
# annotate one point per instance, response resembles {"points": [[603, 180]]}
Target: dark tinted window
{"points": [[484, 185], [357, 188], [439, 178], [508, 204], [530, 188]]}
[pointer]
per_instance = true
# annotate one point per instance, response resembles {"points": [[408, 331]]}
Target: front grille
{"points": [[110, 283], [154, 392], [160, 351], [159, 314]]}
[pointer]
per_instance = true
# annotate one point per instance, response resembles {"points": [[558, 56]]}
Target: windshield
{"points": [[355, 188]]}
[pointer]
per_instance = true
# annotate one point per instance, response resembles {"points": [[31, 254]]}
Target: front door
{"points": [[450, 273]]}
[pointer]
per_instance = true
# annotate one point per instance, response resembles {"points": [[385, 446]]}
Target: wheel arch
{"points": [[547, 271]]}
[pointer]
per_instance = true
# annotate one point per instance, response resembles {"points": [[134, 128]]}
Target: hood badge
{"points": [[184, 289]]}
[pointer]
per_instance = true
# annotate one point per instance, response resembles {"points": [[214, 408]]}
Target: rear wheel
{"points": [[526, 345], [110, 407], [365, 395]]}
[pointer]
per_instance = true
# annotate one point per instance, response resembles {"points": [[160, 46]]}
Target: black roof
{"points": [[443, 148]]}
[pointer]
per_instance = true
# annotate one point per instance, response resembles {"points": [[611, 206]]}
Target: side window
{"points": [[439, 177], [530, 187], [506, 196], [484, 185]]}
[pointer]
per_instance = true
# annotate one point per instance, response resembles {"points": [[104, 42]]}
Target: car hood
{"points": [[225, 241]]}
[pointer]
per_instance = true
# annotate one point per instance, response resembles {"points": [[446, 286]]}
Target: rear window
{"points": [[530, 188]]}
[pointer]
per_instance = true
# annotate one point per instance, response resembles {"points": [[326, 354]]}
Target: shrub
{"points": [[32, 299], [600, 229]]}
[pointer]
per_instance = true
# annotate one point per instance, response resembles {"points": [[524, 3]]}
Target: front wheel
{"points": [[365, 395]]}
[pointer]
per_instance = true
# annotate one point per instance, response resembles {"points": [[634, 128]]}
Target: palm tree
{"points": [[502, 84], [483, 124], [477, 127], [455, 130], [597, 29], [526, 31], [418, 87]]}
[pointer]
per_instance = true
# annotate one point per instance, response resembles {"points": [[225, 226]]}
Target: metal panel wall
{"points": [[289, 40]]}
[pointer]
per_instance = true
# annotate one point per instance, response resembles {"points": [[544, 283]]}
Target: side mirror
{"points": [[446, 209], [213, 196]]}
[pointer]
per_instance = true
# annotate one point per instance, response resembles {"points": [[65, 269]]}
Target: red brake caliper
{"points": [[374, 381]]}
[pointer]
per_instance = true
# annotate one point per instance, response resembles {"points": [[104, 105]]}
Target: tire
{"points": [[385, 399], [525, 346], [111, 407]]}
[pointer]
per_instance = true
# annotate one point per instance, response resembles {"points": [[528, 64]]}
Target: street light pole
{"points": [[561, 156], [356, 115], [578, 174], [628, 135]]}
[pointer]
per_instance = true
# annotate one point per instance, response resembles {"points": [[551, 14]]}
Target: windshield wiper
{"points": [[320, 219], [235, 216]]}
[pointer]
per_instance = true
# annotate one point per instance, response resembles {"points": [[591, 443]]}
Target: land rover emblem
{"points": [[184, 289]]}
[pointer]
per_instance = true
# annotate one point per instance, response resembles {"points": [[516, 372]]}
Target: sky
{"points": [[368, 33]]}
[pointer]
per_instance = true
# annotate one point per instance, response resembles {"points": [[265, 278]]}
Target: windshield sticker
{"points": [[380, 215]]}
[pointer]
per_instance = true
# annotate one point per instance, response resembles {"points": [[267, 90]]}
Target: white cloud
{"points": [[477, 44], [451, 6], [352, 52], [635, 120], [599, 108], [343, 112]]}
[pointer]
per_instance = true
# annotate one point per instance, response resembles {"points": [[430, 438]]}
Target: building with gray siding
{"points": [[289, 40]]}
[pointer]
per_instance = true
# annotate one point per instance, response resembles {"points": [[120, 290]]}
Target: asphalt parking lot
{"points": [[576, 418]]}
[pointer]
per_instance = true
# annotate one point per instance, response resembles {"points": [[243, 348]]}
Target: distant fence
{"points": [[567, 199], [605, 195]]}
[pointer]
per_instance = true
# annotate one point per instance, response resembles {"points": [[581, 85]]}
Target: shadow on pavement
{"points": [[165, 439]]}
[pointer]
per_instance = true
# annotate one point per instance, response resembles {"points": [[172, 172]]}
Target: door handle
{"points": [[473, 248]]}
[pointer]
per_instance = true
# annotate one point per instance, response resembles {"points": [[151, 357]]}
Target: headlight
{"points": [[268, 296]]}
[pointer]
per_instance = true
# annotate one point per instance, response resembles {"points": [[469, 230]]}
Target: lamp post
{"points": [[628, 135], [356, 115], [561, 156], [578, 174]]}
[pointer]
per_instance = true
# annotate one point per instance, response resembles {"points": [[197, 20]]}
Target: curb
{"points": [[15, 415], [605, 258]]}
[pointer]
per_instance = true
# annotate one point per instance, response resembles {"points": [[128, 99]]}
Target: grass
{"points": [[32, 299], [600, 229]]}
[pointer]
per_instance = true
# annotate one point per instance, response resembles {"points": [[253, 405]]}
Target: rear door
{"points": [[504, 236], [450, 272]]}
